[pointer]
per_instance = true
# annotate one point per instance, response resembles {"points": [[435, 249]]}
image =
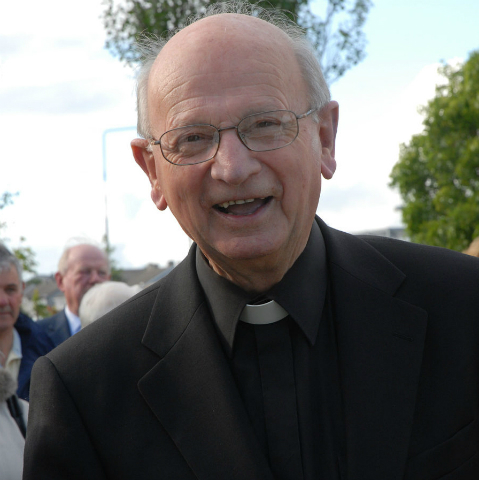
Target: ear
{"points": [[59, 280], [145, 159], [328, 127]]}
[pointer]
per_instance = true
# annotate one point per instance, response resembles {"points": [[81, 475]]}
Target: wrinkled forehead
{"points": [[222, 44]]}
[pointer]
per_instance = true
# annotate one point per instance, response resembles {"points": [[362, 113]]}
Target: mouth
{"points": [[248, 206]]}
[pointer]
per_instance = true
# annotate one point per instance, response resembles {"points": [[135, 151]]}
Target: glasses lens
{"points": [[268, 130], [189, 145]]}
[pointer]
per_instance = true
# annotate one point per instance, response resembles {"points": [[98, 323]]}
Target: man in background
{"points": [[80, 268], [22, 341]]}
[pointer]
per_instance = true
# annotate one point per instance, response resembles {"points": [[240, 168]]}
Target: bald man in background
{"points": [[80, 268]]}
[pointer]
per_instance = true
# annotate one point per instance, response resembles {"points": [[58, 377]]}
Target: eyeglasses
{"points": [[260, 132]]}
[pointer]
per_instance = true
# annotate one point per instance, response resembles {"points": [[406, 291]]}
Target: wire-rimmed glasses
{"points": [[260, 132]]}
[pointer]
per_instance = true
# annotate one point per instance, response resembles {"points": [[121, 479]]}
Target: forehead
{"points": [[225, 59], [84, 255], [9, 276]]}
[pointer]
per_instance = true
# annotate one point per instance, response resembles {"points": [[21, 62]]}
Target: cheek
{"points": [[16, 301]]}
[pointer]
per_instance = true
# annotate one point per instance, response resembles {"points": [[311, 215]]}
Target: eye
{"points": [[193, 138], [265, 124], [186, 138]]}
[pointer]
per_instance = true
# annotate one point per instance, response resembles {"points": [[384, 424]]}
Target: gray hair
{"points": [[102, 298], [150, 46], [7, 259]]}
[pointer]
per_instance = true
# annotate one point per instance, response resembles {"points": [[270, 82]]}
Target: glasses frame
{"points": [[233, 127]]}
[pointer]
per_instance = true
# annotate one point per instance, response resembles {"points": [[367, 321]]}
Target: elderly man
{"points": [[280, 348], [22, 341], [80, 267]]}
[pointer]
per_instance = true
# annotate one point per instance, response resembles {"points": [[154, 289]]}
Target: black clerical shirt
{"points": [[286, 372]]}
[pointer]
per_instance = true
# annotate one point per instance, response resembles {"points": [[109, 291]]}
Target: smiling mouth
{"points": [[242, 207]]}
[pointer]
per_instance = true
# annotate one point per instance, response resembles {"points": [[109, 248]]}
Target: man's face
{"points": [[11, 292], [197, 79], [86, 266]]}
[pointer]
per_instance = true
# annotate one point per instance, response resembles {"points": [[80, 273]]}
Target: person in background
{"points": [[280, 348], [102, 298], [80, 268], [13, 422], [22, 341]]}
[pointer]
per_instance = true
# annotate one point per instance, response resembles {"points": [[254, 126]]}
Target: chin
{"points": [[250, 249]]}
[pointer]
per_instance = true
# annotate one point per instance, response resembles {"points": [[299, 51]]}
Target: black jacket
{"points": [[146, 392]]}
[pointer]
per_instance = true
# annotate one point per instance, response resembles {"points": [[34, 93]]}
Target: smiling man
{"points": [[280, 348]]}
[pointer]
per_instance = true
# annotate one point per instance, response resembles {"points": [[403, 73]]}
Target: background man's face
{"points": [[11, 292], [201, 80], [87, 266]]}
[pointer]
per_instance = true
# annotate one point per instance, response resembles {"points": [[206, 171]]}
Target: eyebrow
{"points": [[246, 113]]}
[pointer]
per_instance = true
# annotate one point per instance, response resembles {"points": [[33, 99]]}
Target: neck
{"points": [[6, 343], [256, 275], [72, 310]]}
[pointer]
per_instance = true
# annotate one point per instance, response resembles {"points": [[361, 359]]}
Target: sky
{"points": [[67, 106]]}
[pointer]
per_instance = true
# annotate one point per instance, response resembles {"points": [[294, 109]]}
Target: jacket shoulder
{"points": [[46, 322], [417, 258]]}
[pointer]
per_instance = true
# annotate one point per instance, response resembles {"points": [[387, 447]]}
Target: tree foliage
{"points": [[115, 272], [337, 38], [438, 171], [25, 254], [40, 308]]}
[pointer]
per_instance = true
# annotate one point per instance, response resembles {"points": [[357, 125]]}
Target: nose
{"points": [[233, 162]]}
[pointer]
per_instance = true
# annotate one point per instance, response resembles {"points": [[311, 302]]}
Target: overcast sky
{"points": [[61, 93]]}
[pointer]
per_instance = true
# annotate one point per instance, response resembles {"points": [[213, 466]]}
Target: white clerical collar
{"points": [[263, 314]]}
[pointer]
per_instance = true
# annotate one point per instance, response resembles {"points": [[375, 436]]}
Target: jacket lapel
{"points": [[191, 389], [380, 344]]}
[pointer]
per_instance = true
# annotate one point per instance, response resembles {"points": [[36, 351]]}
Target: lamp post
{"points": [[105, 133]]}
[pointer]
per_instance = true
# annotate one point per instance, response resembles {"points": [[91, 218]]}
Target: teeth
{"points": [[237, 202]]}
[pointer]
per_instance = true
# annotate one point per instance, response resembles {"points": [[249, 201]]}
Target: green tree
{"points": [[438, 171], [337, 38], [115, 272], [41, 309], [25, 254]]}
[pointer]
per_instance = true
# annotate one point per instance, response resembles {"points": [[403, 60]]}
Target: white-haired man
{"points": [[80, 267], [280, 348]]}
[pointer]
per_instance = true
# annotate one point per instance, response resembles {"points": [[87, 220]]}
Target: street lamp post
{"points": [[105, 133]]}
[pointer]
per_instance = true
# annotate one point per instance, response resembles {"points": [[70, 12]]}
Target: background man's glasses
{"points": [[260, 132]]}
